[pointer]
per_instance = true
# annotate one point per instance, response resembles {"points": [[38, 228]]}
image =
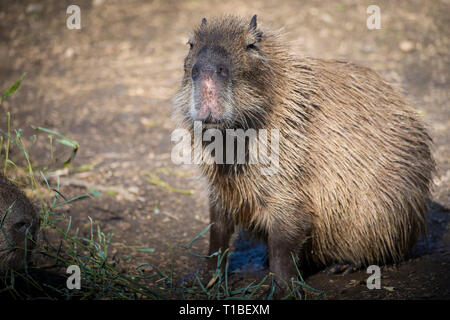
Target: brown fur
{"points": [[355, 163], [16, 215]]}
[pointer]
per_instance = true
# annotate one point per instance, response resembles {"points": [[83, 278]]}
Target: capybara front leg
{"points": [[220, 234]]}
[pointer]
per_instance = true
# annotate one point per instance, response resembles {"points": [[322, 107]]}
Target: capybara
{"points": [[19, 223], [355, 166]]}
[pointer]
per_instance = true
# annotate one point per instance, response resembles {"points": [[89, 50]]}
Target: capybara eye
{"points": [[252, 46], [190, 42], [191, 45]]}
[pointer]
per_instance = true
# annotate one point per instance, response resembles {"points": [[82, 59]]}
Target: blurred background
{"points": [[109, 86]]}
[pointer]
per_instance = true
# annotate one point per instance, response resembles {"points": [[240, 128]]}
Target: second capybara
{"points": [[354, 162], [19, 226]]}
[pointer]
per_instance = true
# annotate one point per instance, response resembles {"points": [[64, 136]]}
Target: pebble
{"points": [[97, 3], [69, 52], [34, 8], [406, 46]]}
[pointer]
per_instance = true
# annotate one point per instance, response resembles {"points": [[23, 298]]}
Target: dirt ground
{"points": [[109, 86]]}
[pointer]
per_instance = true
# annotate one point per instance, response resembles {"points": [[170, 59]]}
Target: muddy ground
{"points": [[109, 86]]}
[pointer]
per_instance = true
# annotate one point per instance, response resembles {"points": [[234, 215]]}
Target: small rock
{"points": [[133, 189], [325, 17], [34, 8], [406, 46], [137, 92], [97, 3], [69, 52]]}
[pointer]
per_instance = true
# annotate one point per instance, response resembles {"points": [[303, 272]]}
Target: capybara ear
{"points": [[203, 21], [255, 38], [252, 24]]}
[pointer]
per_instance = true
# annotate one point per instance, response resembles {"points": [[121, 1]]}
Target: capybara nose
{"points": [[22, 226], [222, 71], [200, 68]]}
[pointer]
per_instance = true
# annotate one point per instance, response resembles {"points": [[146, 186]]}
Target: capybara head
{"points": [[224, 55], [19, 223]]}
